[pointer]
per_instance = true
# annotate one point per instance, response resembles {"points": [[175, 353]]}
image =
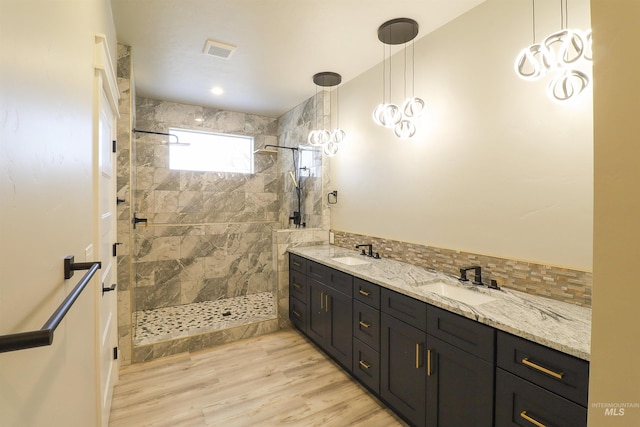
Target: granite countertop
{"points": [[555, 324]]}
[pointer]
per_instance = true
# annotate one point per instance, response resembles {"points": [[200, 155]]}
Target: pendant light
{"points": [[399, 118], [320, 137], [559, 54]]}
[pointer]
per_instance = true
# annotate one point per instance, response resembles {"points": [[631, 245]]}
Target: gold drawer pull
{"points": [[365, 325], [364, 364], [530, 364], [363, 292], [418, 364], [297, 264], [524, 415], [297, 314], [428, 362], [295, 285]]}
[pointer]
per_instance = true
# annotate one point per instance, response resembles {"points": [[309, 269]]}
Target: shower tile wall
{"points": [[293, 129], [209, 233], [125, 106]]}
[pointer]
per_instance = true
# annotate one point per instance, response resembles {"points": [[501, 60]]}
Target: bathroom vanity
{"points": [[440, 353]]}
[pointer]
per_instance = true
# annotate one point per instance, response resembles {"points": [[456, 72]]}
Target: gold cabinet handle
{"points": [[537, 367], [524, 415], [295, 285], [297, 264], [326, 302], [428, 362], [365, 325], [363, 292], [418, 364], [364, 364], [321, 300], [297, 314]]}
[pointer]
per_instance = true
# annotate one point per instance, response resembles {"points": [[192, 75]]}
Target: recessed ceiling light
{"points": [[217, 90]]}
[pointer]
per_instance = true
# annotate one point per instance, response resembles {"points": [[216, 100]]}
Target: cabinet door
{"points": [[403, 373], [339, 338], [316, 314], [459, 387]]}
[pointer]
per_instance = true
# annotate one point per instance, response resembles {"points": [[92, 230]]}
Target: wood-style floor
{"points": [[271, 380]]}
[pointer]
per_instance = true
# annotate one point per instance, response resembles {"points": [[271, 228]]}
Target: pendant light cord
{"points": [[533, 19], [413, 68], [405, 71]]}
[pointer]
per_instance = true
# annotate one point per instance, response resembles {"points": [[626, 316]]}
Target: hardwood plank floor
{"points": [[271, 380]]}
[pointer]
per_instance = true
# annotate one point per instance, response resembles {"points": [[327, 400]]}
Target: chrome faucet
{"points": [[477, 278]]}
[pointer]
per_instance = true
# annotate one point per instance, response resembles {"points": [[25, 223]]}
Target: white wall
{"points": [[46, 204], [496, 167]]}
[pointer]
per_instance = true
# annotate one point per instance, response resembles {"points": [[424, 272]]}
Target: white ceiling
{"points": [[281, 44]]}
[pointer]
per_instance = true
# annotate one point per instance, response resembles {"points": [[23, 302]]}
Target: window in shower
{"points": [[208, 151]]}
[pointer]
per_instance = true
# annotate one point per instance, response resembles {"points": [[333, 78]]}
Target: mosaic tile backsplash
{"points": [[562, 284]]}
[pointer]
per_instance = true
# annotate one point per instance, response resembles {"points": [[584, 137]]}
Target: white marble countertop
{"points": [[558, 325]]}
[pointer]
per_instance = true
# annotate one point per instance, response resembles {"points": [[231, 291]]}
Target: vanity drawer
{"points": [[316, 271], [520, 403], [366, 292], [340, 281], [558, 372], [298, 313], [366, 365], [466, 334], [366, 324], [297, 263], [402, 307], [298, 285]]}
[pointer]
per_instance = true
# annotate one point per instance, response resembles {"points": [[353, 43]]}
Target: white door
{"points": [[107, 301]]}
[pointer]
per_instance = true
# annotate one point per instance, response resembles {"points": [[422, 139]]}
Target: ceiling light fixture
{"points": [[559, 52], [321, 137], [217, 90], [401, 119]]}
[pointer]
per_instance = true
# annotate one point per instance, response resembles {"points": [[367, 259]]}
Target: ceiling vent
{"points": [[219, 50]]}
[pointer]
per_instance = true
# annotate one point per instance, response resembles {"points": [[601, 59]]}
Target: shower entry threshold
{"points": [[167, 323]]}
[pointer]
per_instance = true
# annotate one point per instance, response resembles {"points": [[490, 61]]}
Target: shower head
{"points": [[293, 178]]}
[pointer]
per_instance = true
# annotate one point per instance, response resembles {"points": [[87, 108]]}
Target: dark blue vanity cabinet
{"points": [[329, 308], [460, 370], [433, 367]]}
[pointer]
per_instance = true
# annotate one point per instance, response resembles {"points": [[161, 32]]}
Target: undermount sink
{"points": [[457, 293], [349, 260]]}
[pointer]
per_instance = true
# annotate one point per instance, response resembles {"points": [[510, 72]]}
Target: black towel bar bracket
{"points": [[70, 266], [44, 336]]}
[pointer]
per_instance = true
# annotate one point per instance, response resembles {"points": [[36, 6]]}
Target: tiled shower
{"points": [[204, 267]]}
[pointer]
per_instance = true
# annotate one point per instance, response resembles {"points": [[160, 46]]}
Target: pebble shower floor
{"points": [[162, 324]]}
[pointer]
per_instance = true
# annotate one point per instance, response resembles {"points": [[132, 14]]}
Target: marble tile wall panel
{"points": [[293, 130], [123, 192], [562, 284]]}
